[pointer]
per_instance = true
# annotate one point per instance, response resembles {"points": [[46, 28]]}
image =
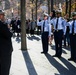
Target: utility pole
{"points": [[23, 26]]}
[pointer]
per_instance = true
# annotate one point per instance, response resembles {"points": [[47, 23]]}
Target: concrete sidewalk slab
{"points": [[32, 62]]}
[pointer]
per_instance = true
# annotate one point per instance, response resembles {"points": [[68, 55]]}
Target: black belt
{"points": [[45, 32], [58, 30], [73, 34]]}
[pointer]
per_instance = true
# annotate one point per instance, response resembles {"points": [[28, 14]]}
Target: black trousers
{"points": [[73, 46], [45, 42], [58, 35], [5, 64], [32, 31]]}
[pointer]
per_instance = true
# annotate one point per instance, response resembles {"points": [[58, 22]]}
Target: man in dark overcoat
{"points": [[5, 46]]}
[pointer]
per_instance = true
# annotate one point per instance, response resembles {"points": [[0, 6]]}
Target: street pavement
{"points": [[32, 62]]}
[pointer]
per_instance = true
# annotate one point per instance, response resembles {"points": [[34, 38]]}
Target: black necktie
{"points": [[73, 27], [57, 23], [43, 26]]}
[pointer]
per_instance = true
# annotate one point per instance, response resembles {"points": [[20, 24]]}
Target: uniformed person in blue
{"points": [[59, 30], [72, 25], [46, 32]]}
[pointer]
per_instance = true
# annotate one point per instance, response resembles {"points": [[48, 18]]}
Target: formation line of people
{"points": [[55, 26]]}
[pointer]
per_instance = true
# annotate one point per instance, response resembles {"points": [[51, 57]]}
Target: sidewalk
{"points": [[32, 62]]}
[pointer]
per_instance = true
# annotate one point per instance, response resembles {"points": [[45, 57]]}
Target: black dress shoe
{"points": [[42, 52], [45, 53], [70, 59], [74, 60], [59, 57], [54, 56]]}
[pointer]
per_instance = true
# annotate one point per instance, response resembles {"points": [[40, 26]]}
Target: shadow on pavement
{"points": [[69, 66], [33, 38], [61, 69], [53, 48], [18, 40], [67, 48], [57, 74], [29, 64]]}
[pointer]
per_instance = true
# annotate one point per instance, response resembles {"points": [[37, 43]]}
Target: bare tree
{"points": [[23, 26]]}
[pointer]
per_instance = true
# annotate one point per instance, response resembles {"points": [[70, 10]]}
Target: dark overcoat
{"points": [[5, 40]]}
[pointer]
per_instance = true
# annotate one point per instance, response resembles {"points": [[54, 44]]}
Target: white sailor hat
{"points": [[1, 12], [58, 11], [45, 14], [74, 14]]}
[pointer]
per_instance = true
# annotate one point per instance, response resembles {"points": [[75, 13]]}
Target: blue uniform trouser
{"points": [[45, 42], [73, 46], [58, 35]]}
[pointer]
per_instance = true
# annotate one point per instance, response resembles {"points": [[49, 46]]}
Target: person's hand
{"points": [[49, 38], [38, 18], [50, 14], [8, 26]]}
